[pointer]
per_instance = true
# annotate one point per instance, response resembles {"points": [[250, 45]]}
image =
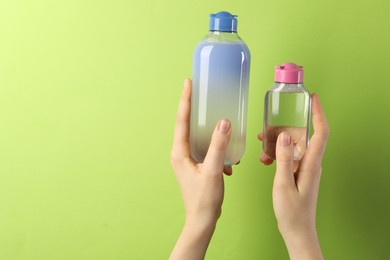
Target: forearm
{"points": [[303, 246], [193, 241]]}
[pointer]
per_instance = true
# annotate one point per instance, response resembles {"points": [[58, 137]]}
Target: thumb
{"points": [[284, 176], [214, 160]]}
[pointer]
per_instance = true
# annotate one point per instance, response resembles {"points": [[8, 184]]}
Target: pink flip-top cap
{"points": [[289, 73]]}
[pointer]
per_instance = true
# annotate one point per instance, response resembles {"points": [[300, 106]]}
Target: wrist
{"points": [[303, 245], [200, 223], [202, 218], [194, 239]]}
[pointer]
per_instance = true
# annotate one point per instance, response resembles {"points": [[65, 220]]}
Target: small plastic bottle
{"points": [[287, 109], [219, 87]]}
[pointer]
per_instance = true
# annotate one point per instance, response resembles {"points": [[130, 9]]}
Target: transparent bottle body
{"points": [[219, 90], [286, 109]]}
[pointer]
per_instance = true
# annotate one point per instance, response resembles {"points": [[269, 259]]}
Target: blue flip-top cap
{"points": [[223, 22]]}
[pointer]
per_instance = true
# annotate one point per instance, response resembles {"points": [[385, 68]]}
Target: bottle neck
{"points": [[222, 32], [284, 83], [218, 36], [288, 87]]}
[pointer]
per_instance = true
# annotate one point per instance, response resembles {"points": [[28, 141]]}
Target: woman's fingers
{"points": [[284, 177], [310, 169], [181, 146], [214, 161]]}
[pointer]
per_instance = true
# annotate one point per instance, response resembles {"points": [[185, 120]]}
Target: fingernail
{"points": [[224, 126], [285, 139]]}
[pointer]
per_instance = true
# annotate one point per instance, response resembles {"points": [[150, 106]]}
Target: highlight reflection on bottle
{"points": [[219, 88]]}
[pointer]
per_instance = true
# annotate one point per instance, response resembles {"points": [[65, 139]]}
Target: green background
{"points": [[88, 96]]}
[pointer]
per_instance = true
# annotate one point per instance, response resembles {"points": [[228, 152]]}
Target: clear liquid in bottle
{"points": [[220, 85], [287, 109]]}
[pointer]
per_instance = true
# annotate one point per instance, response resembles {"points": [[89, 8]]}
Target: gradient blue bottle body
{"points": [[220, 82]]}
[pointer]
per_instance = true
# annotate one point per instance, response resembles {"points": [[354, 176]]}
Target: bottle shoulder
{"points": [[223, 42]]}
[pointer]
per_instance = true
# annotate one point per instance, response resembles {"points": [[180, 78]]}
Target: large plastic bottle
{"points": [[287, 109], [220, 81]]}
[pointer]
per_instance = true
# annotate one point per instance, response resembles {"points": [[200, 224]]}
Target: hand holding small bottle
{"points": [[295, 194]]}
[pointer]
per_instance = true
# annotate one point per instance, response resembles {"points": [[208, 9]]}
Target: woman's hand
{"points": [[295, 192], [201, 184]]}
